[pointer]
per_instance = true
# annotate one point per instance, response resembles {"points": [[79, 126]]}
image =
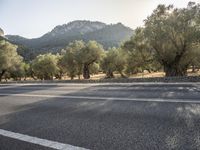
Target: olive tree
{"points": [[71, 59], [114, 60], [19, 71], [91, 53], [9, 57], [45, 66], [69, 63], [172, 34]]}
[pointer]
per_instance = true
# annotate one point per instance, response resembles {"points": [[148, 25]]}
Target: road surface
{"points": [[128, 116]]}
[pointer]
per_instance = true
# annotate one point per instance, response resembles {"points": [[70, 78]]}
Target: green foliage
{"points": [[69, 63], [91, 53], [77, 47], [195, 58], [94, 68], [139, 54], [19, 71], [45, 66], [172, 34], [9, 59], [78, 58], [71, 59], [61, 66], [114, 60], [26, 53]]}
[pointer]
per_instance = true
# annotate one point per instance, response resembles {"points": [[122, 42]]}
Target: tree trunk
{"points": [[25, 78], [32, 75], [48, 77], [193, 68], [59, 75], [86, 71], [79, 76], [1, 74], [109, 74], [174, 70]]}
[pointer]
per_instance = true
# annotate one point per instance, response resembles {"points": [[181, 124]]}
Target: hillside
{"points": [[61, 35]]}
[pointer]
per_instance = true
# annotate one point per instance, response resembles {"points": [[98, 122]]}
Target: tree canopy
{"points": [[45, 66], [139, 54], [114, 60], [172, 34], [9, 57], [91, 53]]}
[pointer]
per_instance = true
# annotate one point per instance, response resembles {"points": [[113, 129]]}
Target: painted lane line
{"points": [[164, 100], [39, 141]]}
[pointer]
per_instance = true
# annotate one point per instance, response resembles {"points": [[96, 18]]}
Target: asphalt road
{"points": [[102, 116]]}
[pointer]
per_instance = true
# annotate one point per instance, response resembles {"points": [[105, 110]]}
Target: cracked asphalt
{"points": [[99, 124]]}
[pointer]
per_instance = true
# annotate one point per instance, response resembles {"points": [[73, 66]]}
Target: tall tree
{"points": [[114, 60], [77, 47], [90, 54], [71, 59], [172, 33], [69, 63]]}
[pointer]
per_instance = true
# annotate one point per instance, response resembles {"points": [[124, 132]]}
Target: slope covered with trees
{"points": [[60, 36]]}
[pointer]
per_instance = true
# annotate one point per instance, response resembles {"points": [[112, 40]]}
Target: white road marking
{"points": [[39, 141], [164, 100]]}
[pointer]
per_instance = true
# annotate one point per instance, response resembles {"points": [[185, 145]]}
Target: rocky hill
{"points": [[53, 41]]}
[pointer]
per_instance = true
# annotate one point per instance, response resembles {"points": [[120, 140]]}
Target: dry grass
{"points": [[142, 75], [138, 75]]}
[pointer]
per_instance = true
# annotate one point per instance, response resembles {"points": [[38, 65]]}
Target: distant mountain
{"points": [[61, 35], [110, 35]]}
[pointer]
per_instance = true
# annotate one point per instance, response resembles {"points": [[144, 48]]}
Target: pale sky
{"points": [[33, 18]]}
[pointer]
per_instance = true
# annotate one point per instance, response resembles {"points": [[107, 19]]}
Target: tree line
{"points": [[169, 41]]}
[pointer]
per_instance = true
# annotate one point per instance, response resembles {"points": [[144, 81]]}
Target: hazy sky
{"points": [[33, 18]]}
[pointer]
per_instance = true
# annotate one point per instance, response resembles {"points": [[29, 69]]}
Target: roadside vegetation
{"points": [[168, 42]]}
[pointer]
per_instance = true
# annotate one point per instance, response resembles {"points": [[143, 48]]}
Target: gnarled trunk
{"points": [[109, 74], [86, 71], [193, 68], [174, 70], [1, 74], [48, 77]]}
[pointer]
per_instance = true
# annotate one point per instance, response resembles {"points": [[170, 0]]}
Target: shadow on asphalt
{"points": [[163, 91], [22, 89], [109, 125]]}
